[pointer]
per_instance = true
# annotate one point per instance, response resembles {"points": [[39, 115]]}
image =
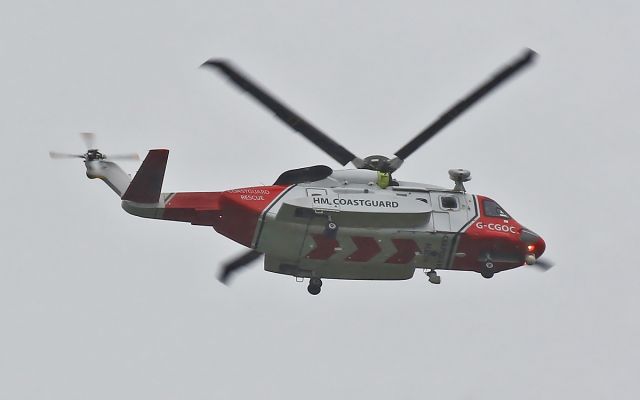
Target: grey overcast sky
{"points": [[97, 304]]}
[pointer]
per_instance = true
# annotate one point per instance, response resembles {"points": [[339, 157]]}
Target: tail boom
{"points": [[197, 208], [110, 173]]}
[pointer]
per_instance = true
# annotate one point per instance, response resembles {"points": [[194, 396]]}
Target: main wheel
{"points": [[313, 289], [315, 282], [487, 274]]}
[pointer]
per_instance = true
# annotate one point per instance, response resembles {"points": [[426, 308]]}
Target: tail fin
{"points": [[147, 184]]}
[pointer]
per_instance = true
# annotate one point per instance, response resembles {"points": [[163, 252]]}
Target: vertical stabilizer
{"points": [[147, 184]]}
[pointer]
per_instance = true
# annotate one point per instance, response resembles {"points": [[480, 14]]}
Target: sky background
{"points": [[98, 304]]}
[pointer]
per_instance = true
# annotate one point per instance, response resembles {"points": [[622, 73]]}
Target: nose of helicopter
{"points": [[534, 242], [540, 247]]}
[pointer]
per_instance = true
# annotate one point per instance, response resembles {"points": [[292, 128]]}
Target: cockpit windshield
{"points": [[492, 209]]}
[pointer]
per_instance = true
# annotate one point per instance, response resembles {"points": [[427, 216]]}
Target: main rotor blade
{"points": [[543, 264], [229, 268], [283, 112], [463, 104]]}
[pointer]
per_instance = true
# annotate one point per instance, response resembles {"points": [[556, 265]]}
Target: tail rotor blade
{"points": [[465, 103], [89, 139], [56, 155], [131, 156], [284, 113], [237, 263]]}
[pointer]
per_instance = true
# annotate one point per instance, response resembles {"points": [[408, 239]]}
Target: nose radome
{"points": [[535, 243], [540, 247]]}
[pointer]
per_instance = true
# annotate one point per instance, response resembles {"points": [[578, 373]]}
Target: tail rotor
{"points": [[92, 154]]}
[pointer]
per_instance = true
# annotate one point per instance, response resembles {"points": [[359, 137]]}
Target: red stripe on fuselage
{"points": [[367, 248], [325, 247], [407, 250]]}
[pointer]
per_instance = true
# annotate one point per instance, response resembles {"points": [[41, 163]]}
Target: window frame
{"points": [[442, 206], [506, 215]]}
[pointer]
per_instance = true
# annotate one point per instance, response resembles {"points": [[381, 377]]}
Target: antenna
{"points": [[459, 176]]}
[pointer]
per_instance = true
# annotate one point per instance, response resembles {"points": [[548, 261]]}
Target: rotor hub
{"points": [[377, 163], [93, 154]]}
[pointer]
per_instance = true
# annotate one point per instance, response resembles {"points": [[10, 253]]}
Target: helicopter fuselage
{"points": [[346, 226]]}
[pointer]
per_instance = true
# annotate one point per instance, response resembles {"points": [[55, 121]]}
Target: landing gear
{"points": [[487, 274], [433, 276], [315, 284], [331, 229], [488, 270]]}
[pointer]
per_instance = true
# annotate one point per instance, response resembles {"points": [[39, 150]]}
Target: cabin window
{"points": [[492, 209], [449, 202]]}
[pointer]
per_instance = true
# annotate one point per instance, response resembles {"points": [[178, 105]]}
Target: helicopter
{"points": [[318, 223]]}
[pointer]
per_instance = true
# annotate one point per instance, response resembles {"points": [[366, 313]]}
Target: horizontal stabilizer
{"points": [[147, 184]]}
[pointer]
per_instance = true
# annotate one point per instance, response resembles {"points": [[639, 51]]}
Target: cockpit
{"points": [[492, 209]]}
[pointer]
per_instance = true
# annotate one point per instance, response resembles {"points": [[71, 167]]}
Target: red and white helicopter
{"points": [[361, 223]]}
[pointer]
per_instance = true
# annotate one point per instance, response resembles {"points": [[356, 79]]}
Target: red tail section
{"points": [[233, 213], [199, 208], [147, 184]]}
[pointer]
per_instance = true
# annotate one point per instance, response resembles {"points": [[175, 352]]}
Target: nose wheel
{"points": [[488, 269], [315, 285], [433, 276], [487, 274]]}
